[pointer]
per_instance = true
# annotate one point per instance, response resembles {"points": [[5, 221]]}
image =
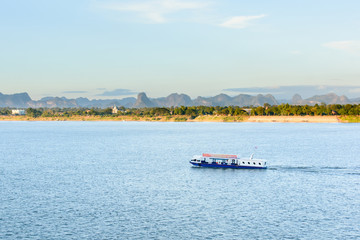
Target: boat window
{"points": [[243, 162], [254, 163], [259, 163], [248, 162]]}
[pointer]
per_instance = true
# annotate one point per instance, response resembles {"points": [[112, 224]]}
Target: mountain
{"points": [[23, 100], [173, 100], [218, 100], [296, 99], [104, 103], [143, 101], [355, 100], [52, 102], [260, 100], [19, 100], [239, 100], [330, 98]]}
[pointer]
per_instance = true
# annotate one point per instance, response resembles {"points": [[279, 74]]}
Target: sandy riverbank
{"points": [[312, 119], [283, 119]]}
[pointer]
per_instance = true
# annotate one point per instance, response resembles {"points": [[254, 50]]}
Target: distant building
{"points": [[115, 110], [18, 112], [248, 110]]}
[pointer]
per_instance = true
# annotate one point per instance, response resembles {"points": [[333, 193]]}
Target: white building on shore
{"points": [[115, 110], [18, 112]]}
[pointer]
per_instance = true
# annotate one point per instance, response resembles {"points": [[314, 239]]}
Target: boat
{"points": [[227, 161]]}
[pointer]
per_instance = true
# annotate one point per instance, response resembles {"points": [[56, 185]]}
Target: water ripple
{"points": [[108, 180]]}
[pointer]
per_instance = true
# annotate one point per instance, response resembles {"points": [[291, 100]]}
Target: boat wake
{"points": [[318, 169]]}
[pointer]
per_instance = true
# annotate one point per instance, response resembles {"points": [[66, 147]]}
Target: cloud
{"points": [[240, 21], [75, 92], [347, 46], [117, 92], [155, 11], [162, 11]]}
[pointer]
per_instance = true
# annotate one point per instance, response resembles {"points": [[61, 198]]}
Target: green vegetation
{"points": [[5, 111], [233, 119], [180, 119], [350, 119], [303, 110], [229, 114], [32, 112]]}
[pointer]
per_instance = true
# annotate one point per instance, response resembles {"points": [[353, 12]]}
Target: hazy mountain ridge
{"points": [[330, 98], [143, 101], [173, 100], [16, 100], [239, 100], [23, 100]]}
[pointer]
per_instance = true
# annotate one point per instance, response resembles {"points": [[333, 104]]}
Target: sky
{"points": [[118, 48]]}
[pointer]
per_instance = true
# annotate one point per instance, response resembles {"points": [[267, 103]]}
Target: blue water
{"points": [[132, 180]]}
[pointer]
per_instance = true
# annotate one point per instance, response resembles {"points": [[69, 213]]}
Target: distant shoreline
{"points": [[310, 119], [281, 119]]}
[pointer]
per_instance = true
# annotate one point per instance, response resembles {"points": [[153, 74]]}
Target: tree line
{"points": [[195, 111]]}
